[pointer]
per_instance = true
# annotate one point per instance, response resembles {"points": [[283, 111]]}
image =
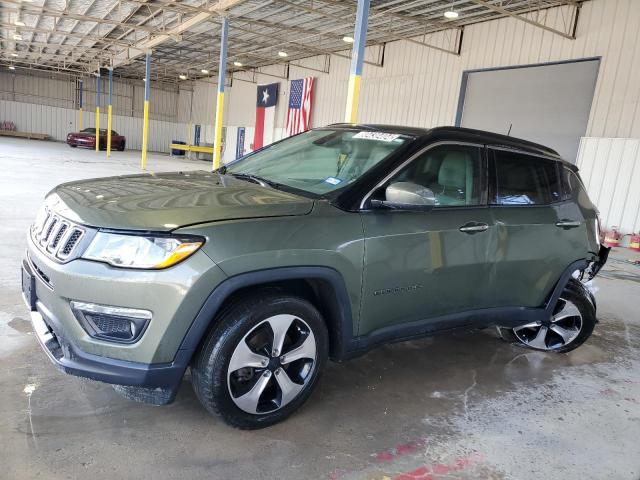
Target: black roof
{"points": [[459, 133]]}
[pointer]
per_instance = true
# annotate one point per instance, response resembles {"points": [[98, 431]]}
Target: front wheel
{"points": [[262, 359], [571, 324]]}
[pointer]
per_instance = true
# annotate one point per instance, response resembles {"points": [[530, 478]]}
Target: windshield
{"points": [[320, 161]]}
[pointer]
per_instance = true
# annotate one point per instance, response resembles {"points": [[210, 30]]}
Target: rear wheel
{"points": [[572, 322], [262, 360]]}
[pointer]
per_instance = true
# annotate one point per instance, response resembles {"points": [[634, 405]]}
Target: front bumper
{"points": [[82, 142], [68, 358], [158, 359]]}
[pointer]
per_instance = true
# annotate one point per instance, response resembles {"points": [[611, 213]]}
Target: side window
{"points": [[452, 172], [525, 180]]}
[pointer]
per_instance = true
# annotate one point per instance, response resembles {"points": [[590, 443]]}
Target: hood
{"points": [[82, 134], [165, 201]]}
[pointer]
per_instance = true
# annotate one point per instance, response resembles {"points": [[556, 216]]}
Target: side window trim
{"points": [[483, 177]]}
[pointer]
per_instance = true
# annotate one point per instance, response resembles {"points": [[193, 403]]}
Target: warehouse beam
{"points": [[109, 112], [503, 11], [357, 57], [377, 29], [81, 36], [308, 48], [98, 82], [145, 119], [49, 12], [129, 54], [217, 141]]}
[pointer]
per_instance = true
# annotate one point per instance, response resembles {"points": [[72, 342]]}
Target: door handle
{"points": [[473, 227], [567, 224]]}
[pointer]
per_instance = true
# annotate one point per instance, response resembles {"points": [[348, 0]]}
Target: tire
{"points": [[73, 146], [248, 322], [566, 319], [121, 147]]}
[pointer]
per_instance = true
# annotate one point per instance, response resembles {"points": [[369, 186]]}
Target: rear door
{"points": [[539, 230]]}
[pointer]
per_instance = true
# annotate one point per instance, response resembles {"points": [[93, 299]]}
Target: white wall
{"points": [[57, 122], [610, 168]]}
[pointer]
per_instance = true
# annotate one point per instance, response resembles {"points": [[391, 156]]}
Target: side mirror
{"points": [[407, 196]]}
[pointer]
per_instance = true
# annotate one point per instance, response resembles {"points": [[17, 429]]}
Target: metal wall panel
{"points": [[128, 99], [57, 122], [420, 86], [610, 169]]}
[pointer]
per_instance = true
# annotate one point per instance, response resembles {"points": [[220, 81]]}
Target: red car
{"points": [[87, 138]]}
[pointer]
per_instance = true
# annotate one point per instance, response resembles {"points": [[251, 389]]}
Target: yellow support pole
{"points": [[145, 119], [357, 59], [109, 112], [98, 111], [217, 141], [353, 95]]}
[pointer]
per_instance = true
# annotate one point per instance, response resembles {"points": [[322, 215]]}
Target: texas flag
{"points": [[265, 115]]}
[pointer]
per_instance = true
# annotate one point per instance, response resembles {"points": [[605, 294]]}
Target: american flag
{"points": [[299, 113]]}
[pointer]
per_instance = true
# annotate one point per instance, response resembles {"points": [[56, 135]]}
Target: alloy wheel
{"points": [[564, 328], [272, 364]]}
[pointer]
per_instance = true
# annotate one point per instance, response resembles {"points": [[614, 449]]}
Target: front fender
{"points": [[340, 321]]}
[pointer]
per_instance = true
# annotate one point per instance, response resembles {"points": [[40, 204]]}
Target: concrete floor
{"points": [[458, 406]]}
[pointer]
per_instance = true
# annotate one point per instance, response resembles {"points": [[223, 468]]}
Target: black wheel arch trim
{"points": [[562, 283], [339, 321]]}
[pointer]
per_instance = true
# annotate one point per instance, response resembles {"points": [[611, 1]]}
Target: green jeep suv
{"points": [[322, 245]]}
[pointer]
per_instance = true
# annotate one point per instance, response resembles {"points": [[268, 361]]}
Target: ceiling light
{"points": [[204, 70], [11, 67], [17, 36], [14, 54], [451, 14], [347, 39], [182, 76], [18, 23], [237, 64], [282, 54]]}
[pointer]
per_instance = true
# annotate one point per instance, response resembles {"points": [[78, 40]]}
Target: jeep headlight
{"points": [[141, 251]]}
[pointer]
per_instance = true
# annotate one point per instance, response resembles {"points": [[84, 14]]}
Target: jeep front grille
{"points": [[55, 235]]}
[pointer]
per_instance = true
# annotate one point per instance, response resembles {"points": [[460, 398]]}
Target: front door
{"points": [[420, 265]]}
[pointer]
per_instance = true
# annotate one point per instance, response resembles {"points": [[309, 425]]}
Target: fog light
{"points": [[116, 324]]}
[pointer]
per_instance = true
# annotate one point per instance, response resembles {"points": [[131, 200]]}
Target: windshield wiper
{"points": [[251, 178]]}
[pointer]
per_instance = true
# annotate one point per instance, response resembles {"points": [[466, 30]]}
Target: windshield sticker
{"points": [[380, 136], [332, 180]]}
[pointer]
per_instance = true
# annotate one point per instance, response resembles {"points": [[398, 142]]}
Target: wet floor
{"points": [[460, 406]]}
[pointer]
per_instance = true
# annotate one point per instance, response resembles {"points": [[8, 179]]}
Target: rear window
{"points": [[525, 180], [571, 183]]}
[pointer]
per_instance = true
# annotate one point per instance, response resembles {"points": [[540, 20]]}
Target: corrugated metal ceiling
{"points": [[80, 35]]}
